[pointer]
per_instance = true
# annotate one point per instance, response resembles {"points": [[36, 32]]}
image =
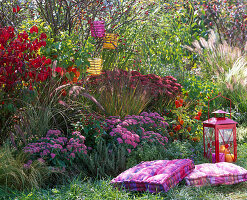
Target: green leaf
{"points": [[78, 62], [67, 75], [48, 51], [203, 12], [194, 24]]}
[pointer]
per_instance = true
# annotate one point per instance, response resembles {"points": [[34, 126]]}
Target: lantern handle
{"points": [[219, 95]]}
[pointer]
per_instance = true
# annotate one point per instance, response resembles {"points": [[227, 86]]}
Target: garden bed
{"points": [[89, 89]]}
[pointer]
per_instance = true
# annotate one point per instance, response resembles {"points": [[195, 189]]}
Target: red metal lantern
{"points": [[219, 137]]}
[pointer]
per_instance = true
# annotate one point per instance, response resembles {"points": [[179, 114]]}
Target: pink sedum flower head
{"points": [[26, 166], [41, 160], [120, 141], [72, 155], [53, 155]]}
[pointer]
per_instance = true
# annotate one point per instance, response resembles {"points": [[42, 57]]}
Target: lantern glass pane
{"points": [[226, 144], [225, 135], [209, 142]]}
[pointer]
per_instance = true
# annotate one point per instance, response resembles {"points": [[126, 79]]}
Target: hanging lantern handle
{"points": [[219, 95]]}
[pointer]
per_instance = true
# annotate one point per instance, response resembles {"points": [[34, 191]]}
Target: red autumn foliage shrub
{"points": [[19, 58], [21, 68]]}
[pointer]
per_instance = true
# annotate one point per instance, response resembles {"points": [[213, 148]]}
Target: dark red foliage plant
{"points": [[162, 89]]}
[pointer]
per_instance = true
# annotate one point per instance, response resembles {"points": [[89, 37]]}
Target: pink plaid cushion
{"points": [[154, 176], [216, 174]]}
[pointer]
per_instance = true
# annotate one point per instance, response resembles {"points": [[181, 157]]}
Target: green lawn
{"points": [[81, 188]]}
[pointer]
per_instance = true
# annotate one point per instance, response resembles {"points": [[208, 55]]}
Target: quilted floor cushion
{"points": [[216, 174], [154, 176]]}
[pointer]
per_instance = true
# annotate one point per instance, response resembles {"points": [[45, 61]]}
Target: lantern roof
{"points": [[220, 111], [219, 120]]}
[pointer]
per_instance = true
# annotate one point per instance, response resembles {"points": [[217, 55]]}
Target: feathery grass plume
{"points": [[20, 132], [238, 72], [217, 57], [77, 90], [227, 65], [43, 112], [12, 138]]}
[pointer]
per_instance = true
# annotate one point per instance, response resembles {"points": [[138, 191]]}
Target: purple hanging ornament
{"points": [[97, 29]]}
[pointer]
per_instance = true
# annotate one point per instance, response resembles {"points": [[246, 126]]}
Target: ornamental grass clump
{"points": [[57, 150], [226, 64], [18, 172], [118, 94], [124, 93]]}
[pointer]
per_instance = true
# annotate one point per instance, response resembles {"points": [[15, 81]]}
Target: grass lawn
{"points": [[80, 188]]}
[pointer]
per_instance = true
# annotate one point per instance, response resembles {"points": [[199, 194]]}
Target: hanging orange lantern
{"points": [[110, 41], [96, 65]]}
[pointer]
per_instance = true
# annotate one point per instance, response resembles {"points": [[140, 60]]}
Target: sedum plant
{"points": [[114, 140], [57, 150]]}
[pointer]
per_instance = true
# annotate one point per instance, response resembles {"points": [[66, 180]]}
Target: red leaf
{"points": [[34, 29], [18, 8], [43, 36]]}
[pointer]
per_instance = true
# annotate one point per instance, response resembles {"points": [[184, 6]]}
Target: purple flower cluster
{"points": [[57, 149], [76, 144], [126, 137], [152, 136], [137, 129], [111, 122], [28, 164]]}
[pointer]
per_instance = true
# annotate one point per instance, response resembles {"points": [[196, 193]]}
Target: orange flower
{"points": [[70, 68], [74, 70], [178, 103], [189, 129], [196, 139], [77, 73], [177, 128], [75, 79], [181, 122], [197, 117], [171, 134]]}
